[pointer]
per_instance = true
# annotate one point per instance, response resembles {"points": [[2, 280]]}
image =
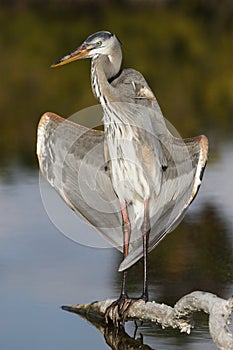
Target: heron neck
{"points": [[104, 69]]}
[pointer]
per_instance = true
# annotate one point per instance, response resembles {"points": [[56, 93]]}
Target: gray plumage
{"points": [[135, 160]]}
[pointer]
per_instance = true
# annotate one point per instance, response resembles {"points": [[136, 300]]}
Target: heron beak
{"points": [[81, 52]]}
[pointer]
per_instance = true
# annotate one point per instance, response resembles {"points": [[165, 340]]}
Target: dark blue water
{"points": [[41, 269]]}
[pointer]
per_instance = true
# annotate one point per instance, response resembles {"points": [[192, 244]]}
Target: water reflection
{"points": [[146, 336], [118, 338]]}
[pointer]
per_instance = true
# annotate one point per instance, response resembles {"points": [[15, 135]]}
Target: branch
{"points": [[219, 311]]}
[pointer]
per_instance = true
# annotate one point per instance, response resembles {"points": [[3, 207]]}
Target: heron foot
{"points": [[119, 309]]}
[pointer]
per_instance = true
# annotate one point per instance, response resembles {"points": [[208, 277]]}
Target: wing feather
{"points": [[71, 157], [186, 160]]}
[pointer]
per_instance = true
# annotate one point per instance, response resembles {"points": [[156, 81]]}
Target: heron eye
{"points": [[99, 43]]}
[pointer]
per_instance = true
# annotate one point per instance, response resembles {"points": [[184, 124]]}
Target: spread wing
{"points": [[180, 163], [182, 176], [71, 157]]}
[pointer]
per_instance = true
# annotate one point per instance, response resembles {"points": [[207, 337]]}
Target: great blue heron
{"points": [[154, 175]]}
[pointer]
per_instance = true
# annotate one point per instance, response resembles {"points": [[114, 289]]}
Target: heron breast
{"points": [[127, 171]]}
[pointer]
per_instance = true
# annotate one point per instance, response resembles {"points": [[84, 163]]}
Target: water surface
{"points": [[40, 269]]}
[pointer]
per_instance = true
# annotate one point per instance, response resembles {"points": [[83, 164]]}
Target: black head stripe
{"points": [[99, 36]]}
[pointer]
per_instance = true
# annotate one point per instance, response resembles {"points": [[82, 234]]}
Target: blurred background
{"points": [[184, 50]]}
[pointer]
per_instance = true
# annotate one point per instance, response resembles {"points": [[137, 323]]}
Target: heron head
{"points": [[100, 43]]}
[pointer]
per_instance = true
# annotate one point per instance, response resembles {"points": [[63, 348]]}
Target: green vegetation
{"points": [[183, 48]]}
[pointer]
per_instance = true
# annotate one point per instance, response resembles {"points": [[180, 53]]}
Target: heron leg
{"points": [[118, 307], [145, 234], [126, 236]]}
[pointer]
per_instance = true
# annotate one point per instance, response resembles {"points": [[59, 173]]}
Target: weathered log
{"points": [[179, 316]]}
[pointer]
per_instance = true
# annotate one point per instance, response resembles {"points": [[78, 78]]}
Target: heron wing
{"points": [[133, 88], [186, 160], [179, 163], [71, 158]]}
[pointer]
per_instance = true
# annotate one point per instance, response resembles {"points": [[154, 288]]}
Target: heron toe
{"points": [[118, 311]]}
